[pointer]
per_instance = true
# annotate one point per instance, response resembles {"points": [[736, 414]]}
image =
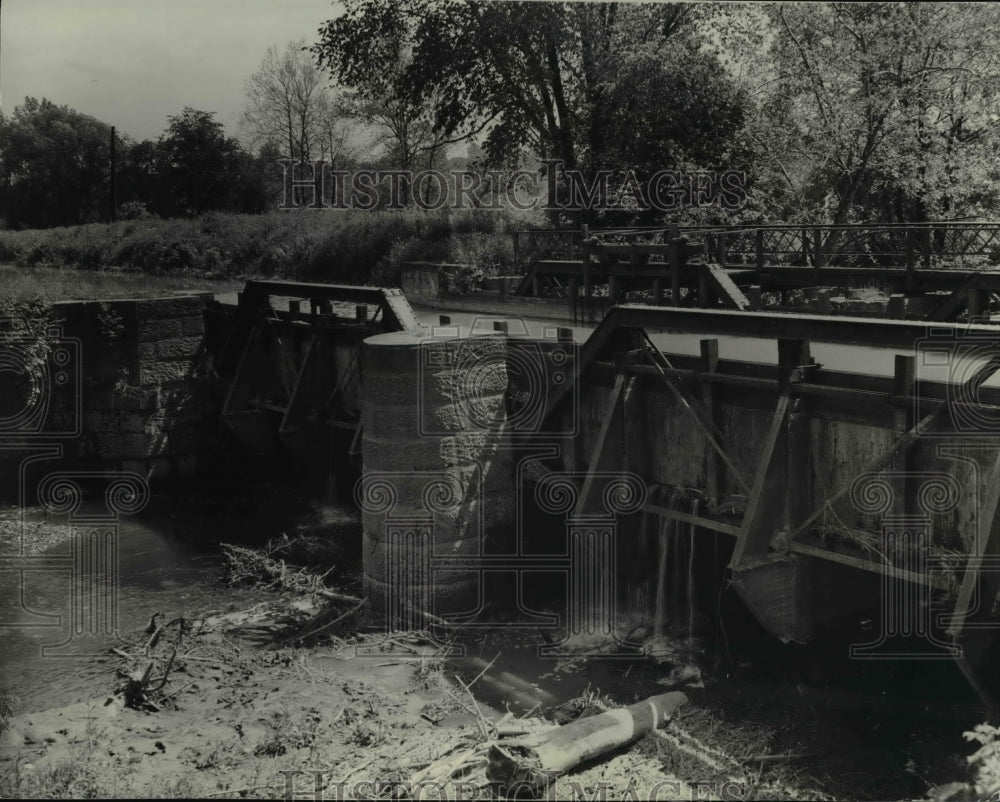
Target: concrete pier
{"points": [[437, 473]]}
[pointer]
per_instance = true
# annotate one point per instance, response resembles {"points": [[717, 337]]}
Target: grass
{"points": [[54, 284], [354, 247]]}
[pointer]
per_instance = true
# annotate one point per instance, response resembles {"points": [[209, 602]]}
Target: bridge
{"points": [[932, 271], [796, 455]]}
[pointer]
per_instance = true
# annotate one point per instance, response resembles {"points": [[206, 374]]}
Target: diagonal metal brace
{"points": [[904, 442], [662, 364]]}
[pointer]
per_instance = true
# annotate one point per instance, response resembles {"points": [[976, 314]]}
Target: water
{"points": [[68, 284], [167, 562]]}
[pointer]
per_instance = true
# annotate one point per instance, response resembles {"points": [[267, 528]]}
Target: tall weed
{"points": [[353, 247]]}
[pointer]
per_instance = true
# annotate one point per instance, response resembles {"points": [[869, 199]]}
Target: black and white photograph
{"points": [[500, 400]]}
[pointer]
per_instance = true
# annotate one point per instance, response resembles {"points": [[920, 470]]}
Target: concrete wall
{"points": [[426, 284], [512, 305], [423, 282]]}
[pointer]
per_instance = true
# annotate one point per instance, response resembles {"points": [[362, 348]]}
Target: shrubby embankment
{"points": [[353, 247]]}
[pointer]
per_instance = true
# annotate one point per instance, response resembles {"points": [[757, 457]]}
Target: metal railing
{"points": [[909, 245]]}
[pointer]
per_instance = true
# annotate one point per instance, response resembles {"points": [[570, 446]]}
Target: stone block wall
{"points": [[146, 401]]}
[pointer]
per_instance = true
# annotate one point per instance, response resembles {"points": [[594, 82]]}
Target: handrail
{"points": [[915, 244], [396, 311]]}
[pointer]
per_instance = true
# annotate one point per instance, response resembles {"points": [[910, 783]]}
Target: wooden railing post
{"points": [[793, 357], [911, 256], [703, 290], [903, 384], [674, 261], [976, 303], [715, 473]]}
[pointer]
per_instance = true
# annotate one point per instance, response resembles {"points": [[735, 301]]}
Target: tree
{"points": [[403, 121], [892, 105], [378, 97], [557, 79], [288, 104], [200, 167], [138, 178], [334, 132], [533, 74], [404, 131], [55, 166]]}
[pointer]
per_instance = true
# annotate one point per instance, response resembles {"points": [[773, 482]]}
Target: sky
{"points": [[131, 63]]}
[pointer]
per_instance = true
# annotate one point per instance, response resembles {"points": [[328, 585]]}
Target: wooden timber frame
{"points": [[292, 373], [729, 267], [776, 538]]}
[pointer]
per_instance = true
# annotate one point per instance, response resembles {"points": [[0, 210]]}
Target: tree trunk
{"points": [[532, 763]]}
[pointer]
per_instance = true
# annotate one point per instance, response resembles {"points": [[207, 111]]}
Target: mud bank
{"points": [[363, 717], [249, 708]]}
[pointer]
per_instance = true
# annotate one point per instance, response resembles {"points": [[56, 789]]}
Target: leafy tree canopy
{"points": [[590, 84], [54, 165]]}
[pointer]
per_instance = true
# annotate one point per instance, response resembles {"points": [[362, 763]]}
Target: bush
{"points": [[351, 247], [134, 210]]}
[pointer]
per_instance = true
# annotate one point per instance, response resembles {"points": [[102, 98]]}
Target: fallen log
{"points": [[530, 764]]}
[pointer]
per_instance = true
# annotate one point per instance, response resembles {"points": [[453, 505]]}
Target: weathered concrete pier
{"points": [[437, 467]]}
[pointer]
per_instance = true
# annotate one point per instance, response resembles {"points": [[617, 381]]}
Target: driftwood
{"points": [[252, 567], [139, 686], [532, 763], [157, 631], [140, 689], [313, 631]]}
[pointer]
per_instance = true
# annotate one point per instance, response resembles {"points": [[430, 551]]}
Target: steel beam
{"points": [[597, 455], [697, 520], [395, 308], [764, 512], [816, 328]]}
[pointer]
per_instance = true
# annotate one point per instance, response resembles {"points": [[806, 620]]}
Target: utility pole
{"points": [[114, 182]]}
